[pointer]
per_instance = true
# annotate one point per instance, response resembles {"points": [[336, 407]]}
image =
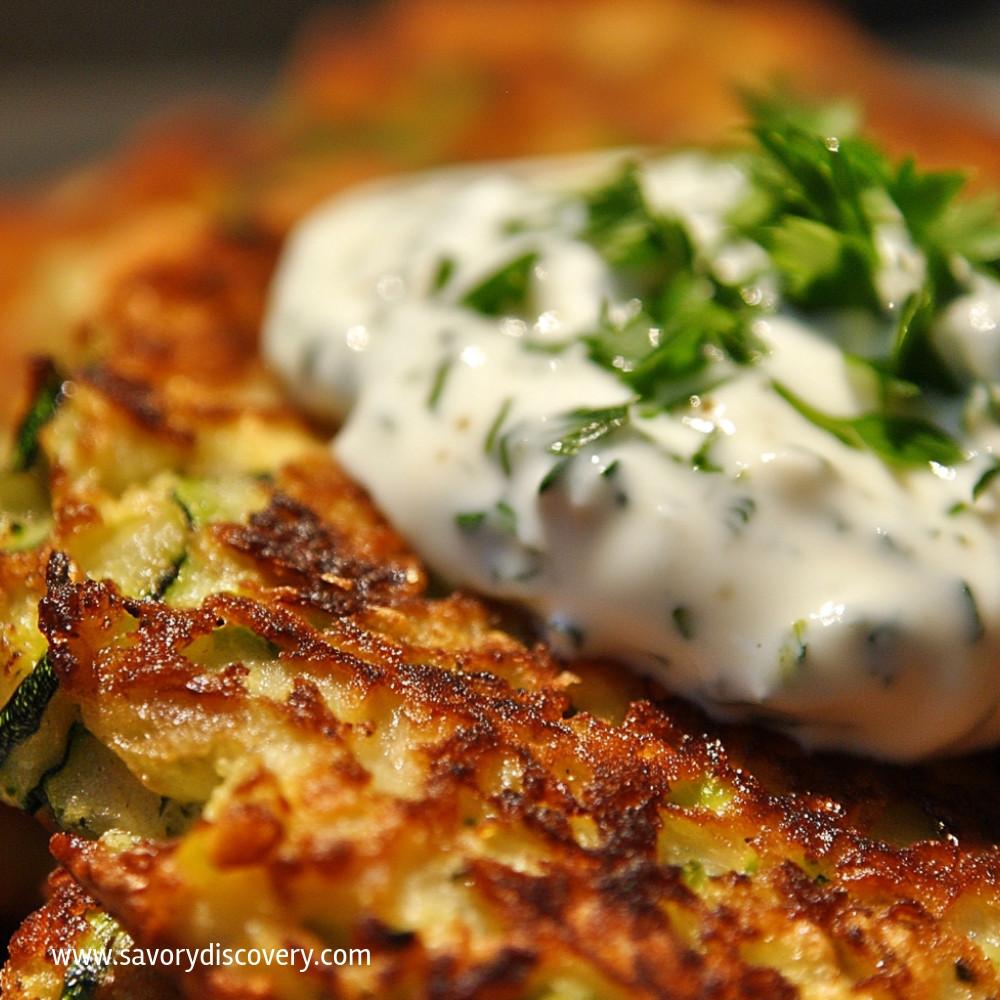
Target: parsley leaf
{"points": [[819, 199], [646, 249], [506, 290], [924, 198], [822, 267], [437, 385], [685, 317], [443, 273], [589, 426], [896, 439], [969, 228], [821, 202], [913, 358]]}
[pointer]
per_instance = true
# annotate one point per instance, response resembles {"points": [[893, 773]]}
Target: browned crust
{"points": [[597, 802], [613, 905]]}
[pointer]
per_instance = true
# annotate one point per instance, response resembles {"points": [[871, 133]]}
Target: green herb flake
{"points": [[819, 196], [506, 291], [590, 426], [470, 520], [822, 267], [505, 457], [741, 510], [497, 443], [507, 518], [630, 236], [896, 439], [792, 654], [438, 383], [683, 619], [443, 274], [702, 458], [493, 434], [913, 359], [553, 477], [986, 479], [816, 206], [976, 627]]}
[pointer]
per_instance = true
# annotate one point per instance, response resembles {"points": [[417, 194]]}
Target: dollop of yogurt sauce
{"points": [[735, 513]]}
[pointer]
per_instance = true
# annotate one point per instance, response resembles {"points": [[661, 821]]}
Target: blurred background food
{"points": [[77, 76]]}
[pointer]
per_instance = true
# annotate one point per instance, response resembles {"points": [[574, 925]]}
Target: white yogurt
{"points": [[783, 577]]}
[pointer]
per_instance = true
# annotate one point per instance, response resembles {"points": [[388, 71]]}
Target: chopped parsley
{"points": [[897, 440], [630, 237], [740, 513], [684, 316], [816, 204], [503, 517], [506, 517], [820, 199], [553, 477], [976, 627], [494, 531], [443, 273], [683, 619], [496, 442], [438, 383], [504, 291], [986, 479], [588, 426], [470, 520]]}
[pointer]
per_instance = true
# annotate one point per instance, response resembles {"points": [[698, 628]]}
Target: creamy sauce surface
{"points": [[729, 545]]}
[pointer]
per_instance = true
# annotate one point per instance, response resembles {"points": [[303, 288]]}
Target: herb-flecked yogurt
{"points": [[582, 386]]}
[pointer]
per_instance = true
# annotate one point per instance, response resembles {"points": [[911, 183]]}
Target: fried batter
{"points": [[256, 722]]}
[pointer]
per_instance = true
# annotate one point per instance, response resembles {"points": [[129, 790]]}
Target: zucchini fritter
{"points": [[257, 727], [254, 720]]}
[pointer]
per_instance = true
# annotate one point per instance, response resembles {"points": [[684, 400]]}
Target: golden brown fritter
{"points": [[257, 723], [269, 735]]}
